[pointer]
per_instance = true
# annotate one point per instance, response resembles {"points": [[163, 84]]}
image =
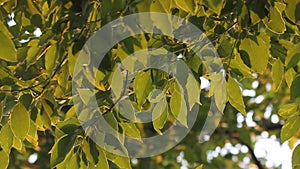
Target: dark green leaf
{"points": [[60, 149], [295, 89]]}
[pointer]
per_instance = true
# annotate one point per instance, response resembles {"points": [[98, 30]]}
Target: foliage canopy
{"points": [[257, 41]]}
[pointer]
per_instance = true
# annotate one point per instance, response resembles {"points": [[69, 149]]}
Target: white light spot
{"points": [[180, 56], [244, 149], [274, 118], [255, 84], [24, 40], [268, 111], [259, 99], [204, 83], [240, 118], [250, 93], [32, 158], [37, 32], [265, 134], [268, 87], [11, 23], [249, 119], [134, 161]]}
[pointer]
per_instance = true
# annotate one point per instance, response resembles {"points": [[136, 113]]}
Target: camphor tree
{"points": [[257, 42]]}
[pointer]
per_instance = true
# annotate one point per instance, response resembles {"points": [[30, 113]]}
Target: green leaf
{"points": [[293, 57], [126, 109], [292, 10], [238, 66], [60, 149], [159, 115], [73, 162], [214, 5], [178, 105], [20, 121], [193, 91], [235, 96], [117, 83], [257, 51], [4, 159], [91, 157], [156, 95], [275, 22], [199, 167], [120, 161], [102, 159], [6, 138], [290, 128], [288, 110], [142, 87], [188, 6], [163, 23], [277, 73], [86, 95], [50, 59], [289, 77], [32, 52], [8, 51], [218, 90], [295, 89], [295, 157], [131, 130]]}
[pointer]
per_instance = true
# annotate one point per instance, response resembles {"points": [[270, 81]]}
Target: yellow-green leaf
{"points": [[292, 10], [277, 73], [199, 167], [6, 138], [289, 77], [295, 158], [258, 53], [290, 128], [288, 110], [131, 130], [188, 6], [235, 96], [4, 159], [218, 90], [20, 121], [159, 115], [214, 5], [8, 51], [50, 59], [275, 22]]}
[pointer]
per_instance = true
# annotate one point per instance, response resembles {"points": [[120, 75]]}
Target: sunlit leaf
{"points": [[292, 10], [275, 22], [290, 128], [277, 73], [235, 96], [258, 53], [288, 110], [6, 138], [8, 51], [159, 115], [20, 121], [295, 158], [4, 159]]}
